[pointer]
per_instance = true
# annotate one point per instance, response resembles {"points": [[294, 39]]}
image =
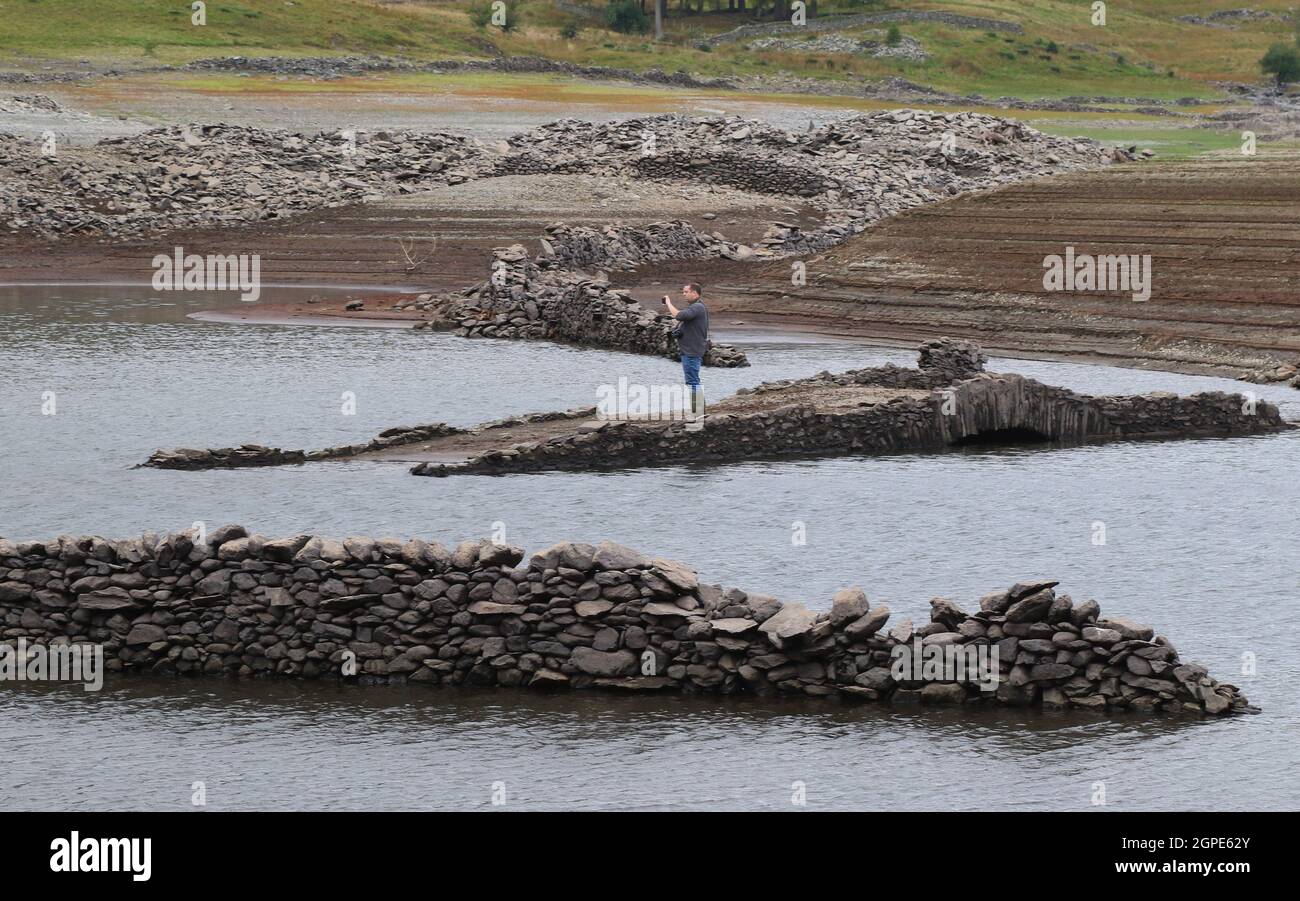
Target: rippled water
{"points": [[1200, 543]]}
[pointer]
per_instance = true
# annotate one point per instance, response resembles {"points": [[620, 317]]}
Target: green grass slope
{"points": [[1142, 51]]}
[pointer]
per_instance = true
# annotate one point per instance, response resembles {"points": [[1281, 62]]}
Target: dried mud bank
{"points": [[947, 400], [1222, 236], [854, 172], [574, 616]]}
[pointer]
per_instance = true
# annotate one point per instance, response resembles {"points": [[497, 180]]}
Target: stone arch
{"points": [[1014, 405]]}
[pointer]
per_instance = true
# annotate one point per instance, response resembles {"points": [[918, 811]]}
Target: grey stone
{"points": [[604, 663], [847, 605]]}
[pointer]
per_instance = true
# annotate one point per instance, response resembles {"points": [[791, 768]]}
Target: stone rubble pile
{"points": [[1228, 17], [857, 170], [215, 176], [574, 616], [907, 48], [523, 300], [30, 103], [858, 20], [626, 247], [940, 362]]}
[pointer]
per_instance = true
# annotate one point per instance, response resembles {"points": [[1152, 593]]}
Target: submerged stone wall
{"points": [[260, 455], [962, 410], [574, 616]]}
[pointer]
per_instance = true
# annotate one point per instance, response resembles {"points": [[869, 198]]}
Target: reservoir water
{"points": [[1200, 539]]}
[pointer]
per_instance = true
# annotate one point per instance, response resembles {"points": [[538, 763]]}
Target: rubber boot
{"points": [[695, 421]]}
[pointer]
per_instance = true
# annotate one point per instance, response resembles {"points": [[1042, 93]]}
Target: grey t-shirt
{"points": [[693, 333]]}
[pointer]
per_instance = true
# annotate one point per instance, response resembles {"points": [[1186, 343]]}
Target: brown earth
{"points": [[448, 234], [1223, 235]]}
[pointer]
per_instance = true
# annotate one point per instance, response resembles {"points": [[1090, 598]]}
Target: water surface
{"points": [[1199, 541]]}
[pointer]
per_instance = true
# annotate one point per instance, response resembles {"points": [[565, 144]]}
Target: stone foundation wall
{"points": [[939, 363], [574, 616], [983, 404], [261, 455]]}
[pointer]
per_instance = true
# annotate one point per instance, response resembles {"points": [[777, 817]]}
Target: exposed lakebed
{"points": [[1199, 542]]}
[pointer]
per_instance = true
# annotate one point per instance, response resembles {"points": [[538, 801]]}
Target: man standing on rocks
{"points": [[692, 340]]}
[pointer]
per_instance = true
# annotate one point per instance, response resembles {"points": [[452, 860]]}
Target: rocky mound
{"points": [[215, 175], [574, 616], [526, 299], [856, 171]]}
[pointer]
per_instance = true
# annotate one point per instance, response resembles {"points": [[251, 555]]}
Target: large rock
{"points": [[1127, 628], [1031, 609], [587, 609], [1100, 636], [214, 583], [847, 605], [220, 535], [946, 611], [14, 591], [616, 556], [604, 663], [491, 608], [348, 602], [1046, 672], [1022, 590], [663, 608], [732, 625], [790, 625], [679, 575], [282, 550], [110, 600], [866, 626], [145, 633]]}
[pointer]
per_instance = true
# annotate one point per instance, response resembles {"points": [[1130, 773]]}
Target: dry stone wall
{"points": [[963, 403], [523, 300], [573, 616], [261, 455], [843, 22]]}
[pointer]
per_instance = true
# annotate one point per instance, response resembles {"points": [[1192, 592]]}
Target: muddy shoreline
{"points": [[908, 268], [733, 320]]}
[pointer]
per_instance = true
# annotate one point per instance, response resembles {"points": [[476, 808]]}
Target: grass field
{"points": [[1142, 51]]}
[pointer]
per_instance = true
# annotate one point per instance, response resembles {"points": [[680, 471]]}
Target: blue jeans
{"points": [[691, 369]]}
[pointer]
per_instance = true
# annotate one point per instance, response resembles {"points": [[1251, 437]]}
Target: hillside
{"points": [[1147, 48]]}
